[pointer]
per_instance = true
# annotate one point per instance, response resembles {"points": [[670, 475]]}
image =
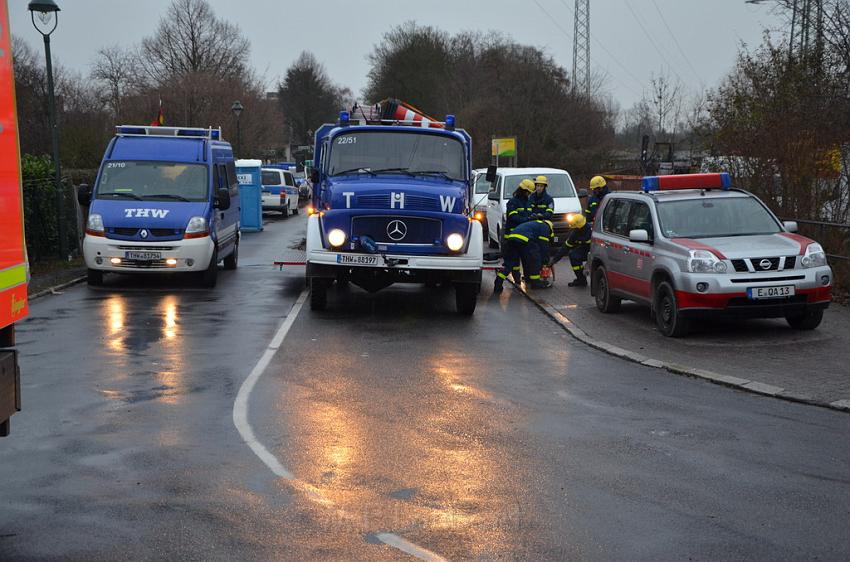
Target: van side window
{"points": [[232, 181], [218, 183], [287, 178]]}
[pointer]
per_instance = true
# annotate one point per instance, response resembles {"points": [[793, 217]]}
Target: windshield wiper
{"points": [[166, 196], [433, 172], [120, 194], [388, 170], [360, 170]]}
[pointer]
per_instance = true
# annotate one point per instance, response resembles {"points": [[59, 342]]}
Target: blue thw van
{"points": [[166, 199]]}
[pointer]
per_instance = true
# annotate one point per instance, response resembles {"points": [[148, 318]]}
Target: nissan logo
{"points": [[765, 263], [396, 230]]}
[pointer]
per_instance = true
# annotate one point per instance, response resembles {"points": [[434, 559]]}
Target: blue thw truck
{"points": [[391, 204]]}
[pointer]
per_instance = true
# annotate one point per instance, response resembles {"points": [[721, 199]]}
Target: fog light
{"points": [[98, 260], [171, 261], [454, 242], [115, 261], [702, 287], [336, 237], [824, 280], [190, 262]]}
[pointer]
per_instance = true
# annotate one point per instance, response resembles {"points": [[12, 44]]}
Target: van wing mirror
{"points": [[583, 193], [790, 226], [84, 195], [222, 199], [491, 174]]}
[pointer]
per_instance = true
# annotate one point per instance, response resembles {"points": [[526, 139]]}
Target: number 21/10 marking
{"points": [[347, 140]]}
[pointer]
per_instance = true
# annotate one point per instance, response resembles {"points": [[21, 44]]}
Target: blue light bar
{"points": [[686, 181], [132, 130], [450, 122], [344, 118]]}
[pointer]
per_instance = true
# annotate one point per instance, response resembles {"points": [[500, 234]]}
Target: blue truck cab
{"points": [[166, 199], [391, 204]]}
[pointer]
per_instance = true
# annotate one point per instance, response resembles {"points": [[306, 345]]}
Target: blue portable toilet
{"points": [[250, 177]]}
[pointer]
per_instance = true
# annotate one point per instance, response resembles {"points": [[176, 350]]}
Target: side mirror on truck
{"points": [[222, 199], [491, 174], [314, 176], [84, 195]]}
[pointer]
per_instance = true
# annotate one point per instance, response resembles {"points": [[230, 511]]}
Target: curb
{"points": [[51, 290], [753, 387]]}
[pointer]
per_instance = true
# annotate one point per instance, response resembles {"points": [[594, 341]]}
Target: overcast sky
{"points": [[341, 33]]}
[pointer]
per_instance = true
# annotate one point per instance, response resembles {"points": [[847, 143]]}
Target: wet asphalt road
{"points": [[495, 437]]}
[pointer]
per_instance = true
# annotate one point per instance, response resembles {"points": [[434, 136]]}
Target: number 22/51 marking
{"points": [[347, 140]]}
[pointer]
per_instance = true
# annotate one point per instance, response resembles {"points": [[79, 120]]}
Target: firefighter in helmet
{"points": [[525, 244], [577, 247], [542, 204]]}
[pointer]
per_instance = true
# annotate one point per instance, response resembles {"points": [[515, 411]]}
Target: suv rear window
{"points": [[271, 178], [715, 217]]}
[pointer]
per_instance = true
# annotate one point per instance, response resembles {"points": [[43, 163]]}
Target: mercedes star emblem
{"points": [[396, 230], [144, 233], [765, 264]]}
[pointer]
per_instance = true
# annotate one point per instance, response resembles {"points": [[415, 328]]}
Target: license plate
{"points": [[356, 260], [143, 256], [771, 292]]}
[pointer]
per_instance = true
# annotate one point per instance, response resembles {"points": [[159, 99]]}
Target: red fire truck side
{"points": [[13, 259]]}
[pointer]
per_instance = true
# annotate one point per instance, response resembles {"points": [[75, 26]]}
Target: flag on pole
{"points": [[160, 118]]}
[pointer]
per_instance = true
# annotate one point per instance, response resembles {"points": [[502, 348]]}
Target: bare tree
{"points": [[116, 69], [666, 100], [190, 39]]}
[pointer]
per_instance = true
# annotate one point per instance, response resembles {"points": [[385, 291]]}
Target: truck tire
{"points": [[318, 294], [466, 297], [605, 301], [668, 318], [231, 262], [94, 277], [209, 277], [808, 320]]}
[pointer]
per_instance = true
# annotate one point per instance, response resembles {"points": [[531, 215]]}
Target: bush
{"points": [[40, 217]]}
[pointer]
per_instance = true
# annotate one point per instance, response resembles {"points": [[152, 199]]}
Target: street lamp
{"points": [[45, 22], [237, 109]]}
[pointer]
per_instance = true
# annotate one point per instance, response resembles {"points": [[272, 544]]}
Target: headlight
{"points": [[197, 228], [703, 261], [94, 225], [336, 237], [814, 256], [454, 242]]}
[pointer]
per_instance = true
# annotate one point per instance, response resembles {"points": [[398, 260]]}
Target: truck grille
{"points": [[417, 230], [411, 202], [755, 264]]}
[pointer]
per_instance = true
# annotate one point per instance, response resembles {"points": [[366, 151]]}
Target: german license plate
{"points": [[356, 260], [779, 292], [143, 256]]}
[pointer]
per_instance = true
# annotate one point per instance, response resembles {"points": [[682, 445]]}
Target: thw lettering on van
{"points": [[145, 213], [397, 198], [448, 203], [348, 195]]}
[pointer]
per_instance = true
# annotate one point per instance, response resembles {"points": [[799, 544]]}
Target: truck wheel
{"points": [[668, 318], [94, 277], [318, 294], [295, 210], [493, 244], [232, 261], [808, 320], [605, 301], [466, 297], [209, 277]]}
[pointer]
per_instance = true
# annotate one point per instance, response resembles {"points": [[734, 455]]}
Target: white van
{"points": [[561, 188]]}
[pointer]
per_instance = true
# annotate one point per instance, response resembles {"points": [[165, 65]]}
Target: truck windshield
{"points": [[715, 217], [560, 185], [375, 152], [153, 181]]}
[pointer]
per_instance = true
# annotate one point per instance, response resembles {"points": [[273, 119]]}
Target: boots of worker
{"points": [[517, 275], [538, 284], [580, 280], [497, 286]]}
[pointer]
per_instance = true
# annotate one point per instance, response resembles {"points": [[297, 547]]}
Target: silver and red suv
{"points": [[691, 246]]}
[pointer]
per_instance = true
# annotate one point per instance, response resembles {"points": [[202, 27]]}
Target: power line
{"points": [[651, 40], [678, 46]]}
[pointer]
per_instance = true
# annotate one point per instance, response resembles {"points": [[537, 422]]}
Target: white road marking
{"points": [[240, 407], [395, 541], [240, 420]]}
